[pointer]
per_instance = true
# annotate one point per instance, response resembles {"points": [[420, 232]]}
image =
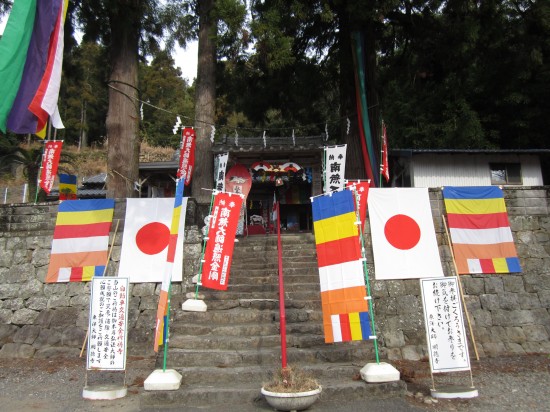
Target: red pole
{"points": [[282, 315]]}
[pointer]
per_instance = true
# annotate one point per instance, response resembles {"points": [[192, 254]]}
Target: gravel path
{"points": [[518, 383]]}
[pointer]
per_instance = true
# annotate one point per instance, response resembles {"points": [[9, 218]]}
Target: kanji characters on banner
{"points": [[403, 234], [146, 237], [384, 163], [335, 167], [480, 230], [218, 252], [50, 161], [362, 189], [187, 155], [220, 168], [342, 280]]}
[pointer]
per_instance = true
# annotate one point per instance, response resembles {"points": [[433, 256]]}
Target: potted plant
{"points": [[291, 389]]}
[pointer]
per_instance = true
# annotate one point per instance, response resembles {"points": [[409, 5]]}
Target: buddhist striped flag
{"points": [[80, 240], [480, 230], [343, 293], [67, 187], [180, 205]]}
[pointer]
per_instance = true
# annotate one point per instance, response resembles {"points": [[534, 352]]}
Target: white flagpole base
{"points": [[379, 372], [104, 392], [159, 380], [453, 392], [194, 305]]}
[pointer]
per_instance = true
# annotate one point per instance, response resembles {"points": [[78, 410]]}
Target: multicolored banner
{"points": [[218, 252], [403, 234], [50, 161], [162, 310], [32, 46], [335, 167], [342, 279], [80, 240], [187, 155], [67, 187], [480, 230]]}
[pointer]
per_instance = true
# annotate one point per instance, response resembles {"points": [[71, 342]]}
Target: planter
{"points": [[292, 401]]}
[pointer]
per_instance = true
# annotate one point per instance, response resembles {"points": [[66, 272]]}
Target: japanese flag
{"points": [[403, 235], [145, 240]]}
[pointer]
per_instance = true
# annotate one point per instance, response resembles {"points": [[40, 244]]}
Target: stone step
{"points": [[261, 303], [232, 342], [197, 395], [273, 272], [243, 315], [268, 356], [244, 330], [257, 276]]}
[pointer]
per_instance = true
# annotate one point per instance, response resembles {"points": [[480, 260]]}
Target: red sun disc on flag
{"points": [[402, 232], [153, 238]]}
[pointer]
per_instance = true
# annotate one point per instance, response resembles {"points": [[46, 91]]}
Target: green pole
{"points": [[167, 330], [366, 273], [204, 247]]}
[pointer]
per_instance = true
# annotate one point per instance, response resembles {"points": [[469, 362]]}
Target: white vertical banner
{"points": [[220, 167], [445, 332], [335, 167], [108, 324]]}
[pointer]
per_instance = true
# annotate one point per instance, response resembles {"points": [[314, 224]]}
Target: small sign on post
{"points": [[445, 332], [107, 334]]}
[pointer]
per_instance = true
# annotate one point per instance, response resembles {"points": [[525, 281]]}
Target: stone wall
{"points": [[508, 313]]}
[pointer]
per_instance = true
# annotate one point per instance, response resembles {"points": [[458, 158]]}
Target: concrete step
{"points": [[268, 356], [198, 395], [243, 315]]}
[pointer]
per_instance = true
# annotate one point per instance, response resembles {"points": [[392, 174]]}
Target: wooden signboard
{"points": [[445, 333], [108, 324]]}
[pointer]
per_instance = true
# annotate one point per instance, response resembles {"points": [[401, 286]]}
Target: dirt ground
{"points": [[517, 383]]}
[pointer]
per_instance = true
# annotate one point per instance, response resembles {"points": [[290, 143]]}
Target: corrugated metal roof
{"points": [[408, 152], [97, 179]]}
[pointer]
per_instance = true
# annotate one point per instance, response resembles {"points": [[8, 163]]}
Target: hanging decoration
{"points": [[177, 125], [212, 133]]}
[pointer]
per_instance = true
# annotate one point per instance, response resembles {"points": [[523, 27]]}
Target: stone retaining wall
{"points": [[508, 313]]}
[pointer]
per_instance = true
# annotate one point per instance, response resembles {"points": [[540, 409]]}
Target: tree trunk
{"points": [[122, 115], [205, 103]]}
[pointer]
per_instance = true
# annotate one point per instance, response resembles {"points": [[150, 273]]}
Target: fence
{"points": [[15, 194]]}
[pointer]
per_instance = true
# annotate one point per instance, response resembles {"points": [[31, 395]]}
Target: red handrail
{"points": [[282, 315]]}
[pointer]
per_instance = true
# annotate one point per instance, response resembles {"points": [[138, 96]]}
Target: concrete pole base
{"points": [[194, 305], [159, 380], [379, 372], [453, 392], [104, 392]]}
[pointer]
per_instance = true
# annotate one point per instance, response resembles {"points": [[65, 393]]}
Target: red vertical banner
{"points": [[187, 155], [50, 161], [362, 188], [218, 253]]}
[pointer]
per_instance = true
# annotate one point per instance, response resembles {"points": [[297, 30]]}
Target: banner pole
{"points": [[166, 329], [205, 239], [366, 274], [460, 288], [282, 313]]}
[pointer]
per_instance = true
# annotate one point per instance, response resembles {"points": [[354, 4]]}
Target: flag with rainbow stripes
{"points": [[80, 240], [343, 293], [480, 230]]}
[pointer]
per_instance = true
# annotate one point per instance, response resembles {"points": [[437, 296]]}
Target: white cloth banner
{"points": [[220, 167], [445, 333], [145, 240], [335, 167], [403, 235]]}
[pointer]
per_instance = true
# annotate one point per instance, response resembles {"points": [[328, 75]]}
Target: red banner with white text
{"points": [[187, 155], [50, 161], [218, 253]]}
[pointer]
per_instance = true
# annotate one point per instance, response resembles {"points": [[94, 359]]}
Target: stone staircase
{"points": [[226, 353]]}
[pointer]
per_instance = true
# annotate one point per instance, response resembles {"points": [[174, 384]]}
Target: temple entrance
{"points": [[291, 184]]}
